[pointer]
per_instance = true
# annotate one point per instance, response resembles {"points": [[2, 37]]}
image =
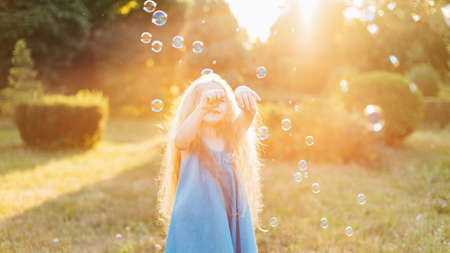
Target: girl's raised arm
{"points": [[246, 100]]}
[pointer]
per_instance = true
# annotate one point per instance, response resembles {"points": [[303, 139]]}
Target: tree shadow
{"points": [[115, 214]]}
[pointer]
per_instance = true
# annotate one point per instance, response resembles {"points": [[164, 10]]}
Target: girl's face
{"points": [[216, 114]]}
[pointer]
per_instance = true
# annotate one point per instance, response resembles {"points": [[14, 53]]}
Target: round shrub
{"points": [[338, 135], [426, 78], [58, 121], [402, 106]]}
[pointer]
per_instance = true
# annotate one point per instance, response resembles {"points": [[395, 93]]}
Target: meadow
{"points": [[103, 199]]}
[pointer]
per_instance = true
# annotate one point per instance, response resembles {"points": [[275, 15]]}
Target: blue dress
{"points": [[199, 221]]}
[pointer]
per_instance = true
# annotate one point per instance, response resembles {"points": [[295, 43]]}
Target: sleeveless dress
{"points": [[199, 221]]}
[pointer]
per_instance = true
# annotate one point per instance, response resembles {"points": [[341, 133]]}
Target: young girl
{"points": [[209, 191]]}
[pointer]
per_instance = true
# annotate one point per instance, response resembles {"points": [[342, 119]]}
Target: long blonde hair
{"points": [[246, 150]]}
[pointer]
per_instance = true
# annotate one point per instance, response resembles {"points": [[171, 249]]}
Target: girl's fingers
{"points": [[257, 96], [253, 103], [247, 102]]}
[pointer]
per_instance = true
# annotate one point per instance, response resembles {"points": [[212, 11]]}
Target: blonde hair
{"points": [[246, 150]]}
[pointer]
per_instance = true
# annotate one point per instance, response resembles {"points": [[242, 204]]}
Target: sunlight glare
{"points": [[307, 9], [256, 16]]}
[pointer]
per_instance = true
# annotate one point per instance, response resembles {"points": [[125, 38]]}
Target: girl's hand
{"points": [[211, 98], [246, 98]]}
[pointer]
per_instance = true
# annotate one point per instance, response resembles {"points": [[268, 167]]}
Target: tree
{"points": [[212, 22], [22, 82]]}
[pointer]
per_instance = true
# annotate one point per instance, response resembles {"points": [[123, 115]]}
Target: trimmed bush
{"points": [[437, 112], [426, 78], [58, 121], [338, 136], [402, 106]]}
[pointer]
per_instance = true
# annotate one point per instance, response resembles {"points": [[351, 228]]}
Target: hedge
{"points": [[58, 121], [338, 135], [401, 104]]}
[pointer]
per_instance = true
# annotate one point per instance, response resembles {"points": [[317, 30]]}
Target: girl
{"points": [[210, 192]]}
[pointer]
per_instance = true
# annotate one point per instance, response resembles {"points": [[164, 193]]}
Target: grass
{"points": [[103, 200]]}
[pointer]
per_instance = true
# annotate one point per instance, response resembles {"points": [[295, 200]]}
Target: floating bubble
{"points": [[197, 46], [344, 86], [352, 13], [118, 236], [159, 18], [372, 28], [324, 223], [419, 217], [315, 188], [298, 177], [309, 140], [349, 231], [261, 72], [214, 62], [180, 61], [296, 108], [203, 21], [394, 60], [149, 6], [290, 134], [374, 115], [274, 222], [380, 13], [263, 133], [286, 124], [158, 246], [361, 199], [157, 46], [157, 105], [372, 8], [146, 37], [302, 165], [412, 87], [55, 240], [177, 42], [431, 3], [391, 6], [415, 17], [206, 71]]}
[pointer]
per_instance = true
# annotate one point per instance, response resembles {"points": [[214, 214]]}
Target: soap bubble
{"points": [[296, 108], [415, 17], [286, 124], [261, 72], [157, 105], [361, 199], [157, 46], [324, 223], [344, 86], [372, 28], [274, 222], [374, 115], [309, 140], [197, 46], [177, 41], [431, 3], [149, 6], [380, 13], [159, 18], [146, 38], [391, 6], [206, 71], [302, 165], [118, 236], [349, 231], [315, 188], [412, 87], [158, 246], [55, 240], [298, 177], [214, 62], [263, 133]]}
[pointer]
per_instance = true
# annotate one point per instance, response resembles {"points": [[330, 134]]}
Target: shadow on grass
{"points": [[113, 215]]}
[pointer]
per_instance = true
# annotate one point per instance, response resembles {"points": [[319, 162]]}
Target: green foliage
{"points": [[58, 121], [212, 23], [402, 107], [22, 82], [338, 135], [437, 112], [426, 78]]}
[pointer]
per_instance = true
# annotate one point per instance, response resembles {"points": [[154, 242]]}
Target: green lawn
{"points": [[103, 200]]}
